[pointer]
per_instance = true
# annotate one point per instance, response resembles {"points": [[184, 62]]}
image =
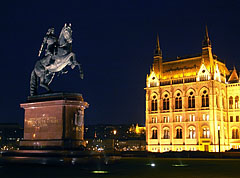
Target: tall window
{"points": [[206, 132], [217, 101], [166, 102], [178, 118], [205, 117], [166, 133], [179, 133], [166, 119], [191, 100], [191, 117], [191, 132], [236, 102], [205, 99], [178, 102], [237, 118], [231, 118], [230, 102], [154, 133], [154, 103], [154, 119], [235, 134]]}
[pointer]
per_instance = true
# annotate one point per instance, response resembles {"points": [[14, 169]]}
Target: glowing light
{"points": [[99, 172], [179, 165], [152, 164], [114, 132]]}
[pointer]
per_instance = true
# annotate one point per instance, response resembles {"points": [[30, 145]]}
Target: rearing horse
{"points": [[45, 73]]}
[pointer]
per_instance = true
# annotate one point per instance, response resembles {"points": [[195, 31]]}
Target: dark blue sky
{"points": [[114, 41]]}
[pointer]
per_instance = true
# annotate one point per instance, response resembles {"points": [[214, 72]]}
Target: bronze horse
{"points": [[44, 70]]}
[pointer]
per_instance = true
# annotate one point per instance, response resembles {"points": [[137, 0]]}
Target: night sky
{"points": [[114, 41]]}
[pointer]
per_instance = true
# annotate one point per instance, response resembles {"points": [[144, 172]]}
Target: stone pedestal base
{"points": [[54, 121]]}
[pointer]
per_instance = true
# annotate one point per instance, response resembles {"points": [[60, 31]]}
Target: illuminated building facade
{"points": [[192, 103]]}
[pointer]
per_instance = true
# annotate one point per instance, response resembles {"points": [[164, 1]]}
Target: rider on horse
{"points": [[58, 55], [51, 49]]}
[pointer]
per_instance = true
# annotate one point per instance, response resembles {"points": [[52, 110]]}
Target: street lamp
{"points": [[114, 133]]}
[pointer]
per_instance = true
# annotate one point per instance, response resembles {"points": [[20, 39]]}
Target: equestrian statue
{"points": [[57, 56]]}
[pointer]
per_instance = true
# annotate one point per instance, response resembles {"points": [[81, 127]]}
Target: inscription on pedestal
{"points": [[56, 122]]}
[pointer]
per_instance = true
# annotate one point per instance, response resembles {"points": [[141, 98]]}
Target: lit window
{"points": [[191, 117], [191, 100], [154, 103], [154, 119], [206, 133], [166, 119], [166, 133], [179, 133], [166, 102], [236, 102], [230, 102], [154, 133], [235, 134], [178, 102], [205, 99], [191, 132], [205, 117], [178, 118]]}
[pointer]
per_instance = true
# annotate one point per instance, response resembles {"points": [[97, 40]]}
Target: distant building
{"points": [[192, 103], [10, 136], [118, 137]]}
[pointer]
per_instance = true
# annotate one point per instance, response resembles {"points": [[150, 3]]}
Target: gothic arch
{"points": [[190, 90], [178, 91], [202, 89]]}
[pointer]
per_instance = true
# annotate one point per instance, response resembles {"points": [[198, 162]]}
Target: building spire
{"points": [[206, 42], [158, 51], [234, 76]]}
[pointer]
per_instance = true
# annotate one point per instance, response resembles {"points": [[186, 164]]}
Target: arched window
{"points": [[154, 103], [235, 134], [179, 133], [166, 133], [178, 102], [205, 99], [230, 102], [206, 132], [191, 100], [166, 102], [154, 133], [191, 132], [236, 102]]}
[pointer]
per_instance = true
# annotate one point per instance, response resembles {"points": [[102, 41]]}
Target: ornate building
{"points": [[192, 103]]}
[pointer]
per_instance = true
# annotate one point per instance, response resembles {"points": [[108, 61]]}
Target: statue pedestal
{"points": [[54, 121]]}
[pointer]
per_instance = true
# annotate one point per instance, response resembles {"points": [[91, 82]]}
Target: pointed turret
{"points": [[158, 51], [207, 55], [234, 76], [157, 62], [206, 42]]}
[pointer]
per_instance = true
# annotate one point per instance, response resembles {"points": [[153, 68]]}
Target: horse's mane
{"points": [[61, 35], [62, 31]]}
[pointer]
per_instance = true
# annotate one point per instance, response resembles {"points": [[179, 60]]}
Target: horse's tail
{"points": [[33, 83]]}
